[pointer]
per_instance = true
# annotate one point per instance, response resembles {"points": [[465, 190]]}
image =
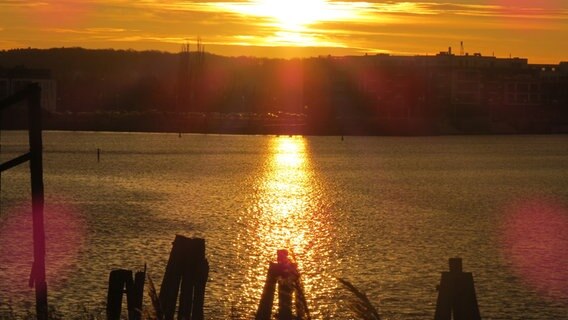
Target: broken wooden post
{"points": [[117, 280], [186, 274], [286, 275], [36, 172], [135, 296], [285, 285], [120, 281], [456, 295], [267, 298], [32, 93]]}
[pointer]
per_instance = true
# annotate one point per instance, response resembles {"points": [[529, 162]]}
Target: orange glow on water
{"points": [[285, 192]]}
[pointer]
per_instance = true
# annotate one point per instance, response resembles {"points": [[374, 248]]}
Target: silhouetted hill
{"points": [[131, 90]]}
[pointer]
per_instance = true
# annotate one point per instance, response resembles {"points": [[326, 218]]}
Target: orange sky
{"points": [[526, 28]]}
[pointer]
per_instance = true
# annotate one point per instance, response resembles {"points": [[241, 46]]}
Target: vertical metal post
{"points": [[36, 172]]}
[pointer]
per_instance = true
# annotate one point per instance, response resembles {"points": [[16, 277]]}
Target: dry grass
{"points": [[359, 304], [155, 313]]}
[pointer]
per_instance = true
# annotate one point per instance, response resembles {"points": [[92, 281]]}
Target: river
{"points": [[385, 213]]}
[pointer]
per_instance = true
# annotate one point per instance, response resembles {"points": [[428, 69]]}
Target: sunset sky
{"points": [[294, 28]]}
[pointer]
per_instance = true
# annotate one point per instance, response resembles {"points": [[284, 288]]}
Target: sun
{"points": [[294, 15], [289, 15], [292, 22]]}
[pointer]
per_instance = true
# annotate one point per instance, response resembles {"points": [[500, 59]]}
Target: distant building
{"points": [[466, 85], [14, 79]]}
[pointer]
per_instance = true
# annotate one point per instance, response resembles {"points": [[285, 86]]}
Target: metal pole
{"points": [[36, 172]]}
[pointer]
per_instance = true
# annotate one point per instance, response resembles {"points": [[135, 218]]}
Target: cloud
{"points": [[80, 31], [397, 26]]}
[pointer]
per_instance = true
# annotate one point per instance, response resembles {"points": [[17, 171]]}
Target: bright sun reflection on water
{"points": [[288, 213]]}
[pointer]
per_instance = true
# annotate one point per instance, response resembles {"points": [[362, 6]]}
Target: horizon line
{"points": [[307, 56]]}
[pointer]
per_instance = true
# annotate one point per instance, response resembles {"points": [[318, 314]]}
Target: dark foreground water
{"points": [[383, 213]]}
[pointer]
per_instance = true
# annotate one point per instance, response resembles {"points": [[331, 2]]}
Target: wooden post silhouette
{"points": [[120, 281], [284, 274], [456, 295], [32, 93], [186, 274]]}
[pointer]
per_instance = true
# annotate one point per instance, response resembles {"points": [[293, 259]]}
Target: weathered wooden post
{"points": [[117, 280], [186, 274], [286, 275], [36, 172], [32, 93], [136, 296], [456, 295], [120, 281], [264, 310]]}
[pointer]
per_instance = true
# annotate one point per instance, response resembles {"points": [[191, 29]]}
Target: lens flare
{"points": [[59, 13], [65, 236], [535, 243], [529, 15]]}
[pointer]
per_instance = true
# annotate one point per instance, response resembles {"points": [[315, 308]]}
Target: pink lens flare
{"points": [[65, 236], [529, 17], [529, 4], [527, 10], [59, 14], [535, 242]]}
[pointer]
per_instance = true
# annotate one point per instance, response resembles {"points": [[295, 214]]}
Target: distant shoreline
{"points": [[240, 123]]}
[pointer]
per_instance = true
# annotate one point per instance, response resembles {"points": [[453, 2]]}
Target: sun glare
{"points": [[293, 21], [294, 15]]}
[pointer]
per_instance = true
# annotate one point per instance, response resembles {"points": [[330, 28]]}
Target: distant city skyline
{"points": [[294, 28]]}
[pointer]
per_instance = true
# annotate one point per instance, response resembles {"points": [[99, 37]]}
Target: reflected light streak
{"points": [[285, 194], [287, 214]]}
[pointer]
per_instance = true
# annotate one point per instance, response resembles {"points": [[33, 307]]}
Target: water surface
{"points": [[382, 212]]}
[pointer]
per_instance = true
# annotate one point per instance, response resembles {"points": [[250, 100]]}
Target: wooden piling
{"points": [[186, 274], [117, 283], [32, 94], [285, 285], [202, 273], [285, 274], [120, 282], [285, 290], [456, 295], [135, 296], [264, 310]]}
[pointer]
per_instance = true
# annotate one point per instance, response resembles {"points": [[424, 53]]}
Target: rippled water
{"points": [[383, 213]]}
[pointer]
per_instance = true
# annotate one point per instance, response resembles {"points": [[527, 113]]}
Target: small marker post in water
{"points": [[98, 155]]}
